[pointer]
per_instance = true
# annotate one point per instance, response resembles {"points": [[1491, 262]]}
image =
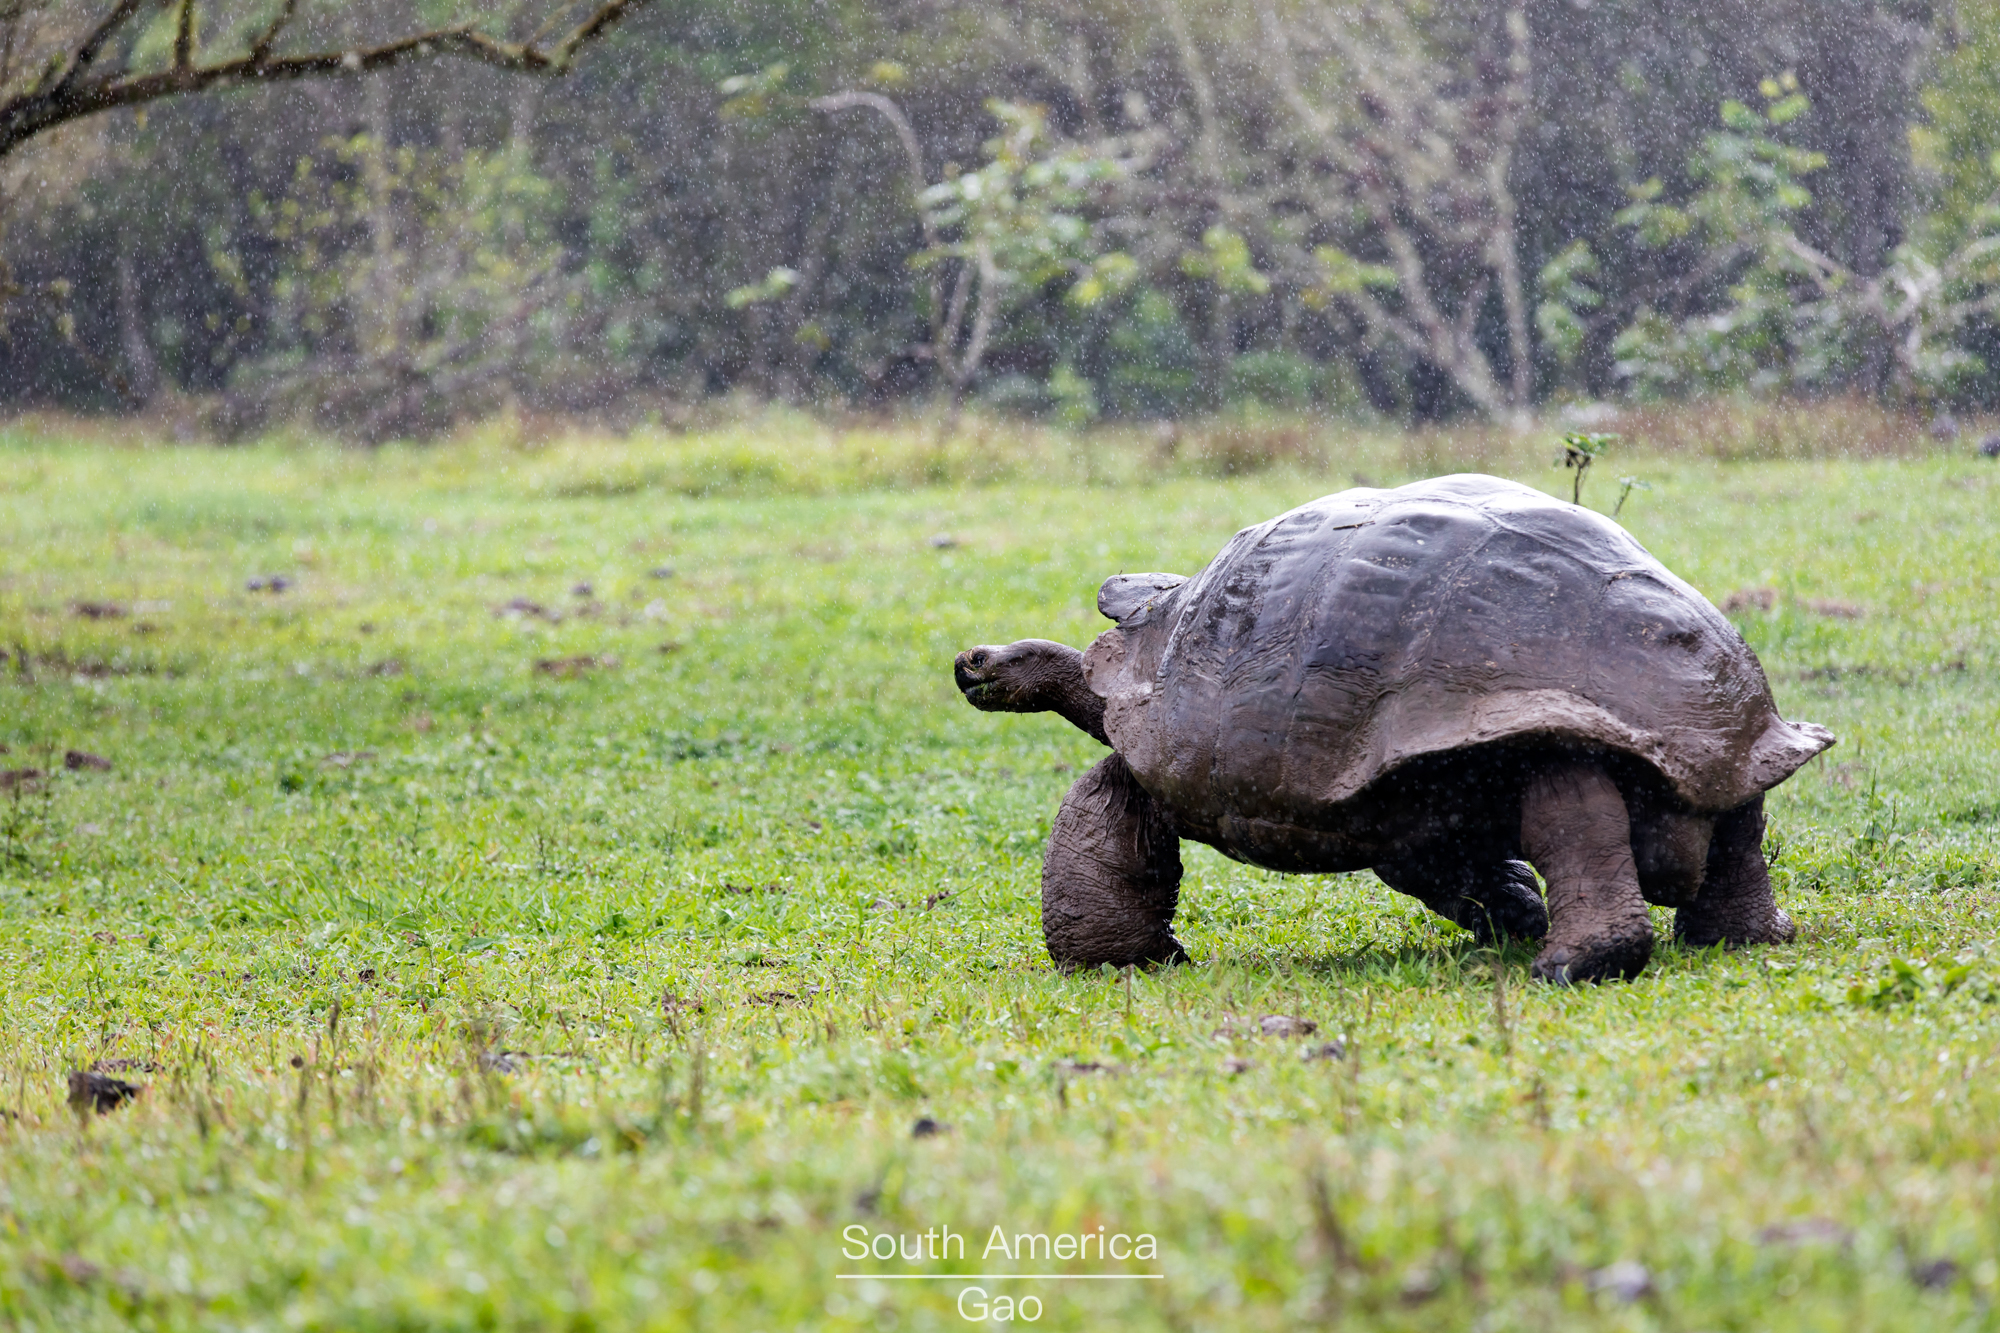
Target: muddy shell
{"points": [[1325, 650]]}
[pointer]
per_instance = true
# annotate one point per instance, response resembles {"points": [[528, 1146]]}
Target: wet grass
{"points": [[495, 952]]}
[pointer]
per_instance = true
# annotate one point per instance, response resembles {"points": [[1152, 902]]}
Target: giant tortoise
{"points": [[1446, 683]]}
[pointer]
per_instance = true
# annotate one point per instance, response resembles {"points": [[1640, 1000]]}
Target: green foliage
{"points": [[1285, 380], [772, 286], [1566, 291], [1626, 485], [1153, 359], [1023, 212], [1771, 332], [1342, 274], [1957, 144], [1580, 449], [418, 287], [1794, 317], [750, 95], [1906, 982], [1224, 259]]}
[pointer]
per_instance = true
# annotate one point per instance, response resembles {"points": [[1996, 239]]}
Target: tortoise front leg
{"points": [[1112, 876], [1735, 904], [1576, 832]]}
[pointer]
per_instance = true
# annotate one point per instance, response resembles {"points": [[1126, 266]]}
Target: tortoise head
{"points": [[1030, 676], [1024, 677]]}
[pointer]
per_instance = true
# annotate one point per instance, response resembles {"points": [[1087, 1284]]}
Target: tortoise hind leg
{"points": [[1735, 904], [1111, 878], [1575, 829], [1492, 899]]}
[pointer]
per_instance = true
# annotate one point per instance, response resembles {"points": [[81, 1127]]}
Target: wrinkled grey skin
{"points": [[1458, 684]]}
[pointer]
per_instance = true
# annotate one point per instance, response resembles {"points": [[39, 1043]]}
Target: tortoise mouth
{"points": [[970, 671], [979, 691]]}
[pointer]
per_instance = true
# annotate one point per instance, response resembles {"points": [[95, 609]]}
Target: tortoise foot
{"points": [[1703, 933], [1619, 958], [1511, 907], [1164, 954], [1735, 906]]}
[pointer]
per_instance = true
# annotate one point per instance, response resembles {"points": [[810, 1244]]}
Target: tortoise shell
{"points": [[1325, 649]]}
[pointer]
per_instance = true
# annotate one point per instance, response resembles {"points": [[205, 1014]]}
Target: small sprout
{"points": [[1580, 450], [1626, 485]]}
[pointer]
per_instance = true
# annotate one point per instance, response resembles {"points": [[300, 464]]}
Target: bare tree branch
{"points": [[591, 29], [88, 50], [905, 134], [184, 36], [74, 89], [1503, 250], [982, 325], [947, 316], [261, 47]]}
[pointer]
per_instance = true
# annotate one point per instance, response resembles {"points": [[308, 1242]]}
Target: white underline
{"points": [[999, 1277]]}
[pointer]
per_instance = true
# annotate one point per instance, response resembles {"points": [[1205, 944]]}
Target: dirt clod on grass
{"points": [[77, 761], [1270, 1025], [783, 997], [102, 1093], [1749, 599], [1806, 1231], [568, 668], [1935, 1275], [1284, 1025]]}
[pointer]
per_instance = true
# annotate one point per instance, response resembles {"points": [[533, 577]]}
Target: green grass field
{"points": [[605, 994]]}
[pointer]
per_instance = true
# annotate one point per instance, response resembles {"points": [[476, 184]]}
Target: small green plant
{"points": [[1626, 485], [30, 794], [1908, 981], [1580, 450]]}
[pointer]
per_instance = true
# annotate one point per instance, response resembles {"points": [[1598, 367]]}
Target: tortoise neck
{"points": [[1073, 699]]}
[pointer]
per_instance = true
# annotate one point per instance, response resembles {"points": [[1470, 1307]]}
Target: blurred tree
{"points": [[704, 249], [63, 61], [1416, 132], [1792, 315], [1017, 225], [419, 289]]}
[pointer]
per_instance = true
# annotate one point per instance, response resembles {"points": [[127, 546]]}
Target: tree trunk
{"points": [[381, 329], [142, 369]]}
